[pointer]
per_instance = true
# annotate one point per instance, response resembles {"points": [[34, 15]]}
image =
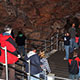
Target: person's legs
{"points": [[67, 51], [37, 75], [79, 71], [19, 50], [74, 43], [71, 45], [23, 51], [77, 76], [72, 76]]}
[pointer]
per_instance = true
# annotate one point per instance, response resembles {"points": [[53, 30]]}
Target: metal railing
{"points": [[22, 73], [55, 42], [5, 48], [46, 45]]}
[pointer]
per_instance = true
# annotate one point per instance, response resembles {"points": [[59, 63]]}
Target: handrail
{"points": [[24, 72], [19, 65], [51, 43], [30, 63], [38, 40], [56, 77], [45, 47], [48, 42], [5, 49]]}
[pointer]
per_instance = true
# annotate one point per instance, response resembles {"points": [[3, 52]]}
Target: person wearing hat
{"points": [[45, 65]]}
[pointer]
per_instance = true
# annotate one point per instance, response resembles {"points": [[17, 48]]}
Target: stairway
{"points": [[58, 66]]}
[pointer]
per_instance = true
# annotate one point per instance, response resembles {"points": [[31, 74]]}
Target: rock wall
{"points": [[38, 17]]}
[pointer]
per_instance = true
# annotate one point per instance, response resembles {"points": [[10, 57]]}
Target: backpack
{"points": [[73, 67]]}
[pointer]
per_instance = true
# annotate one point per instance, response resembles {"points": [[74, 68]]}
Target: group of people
{"points": [[71, 40], [72, 45], [15, 47], [39, 62]]}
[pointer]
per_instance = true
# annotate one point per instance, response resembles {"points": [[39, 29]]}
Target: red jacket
{"points": [[76, 39], [76, 58], [8, 41]]}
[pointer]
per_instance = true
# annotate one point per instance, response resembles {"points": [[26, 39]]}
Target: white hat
{"points": [[7, 28]]}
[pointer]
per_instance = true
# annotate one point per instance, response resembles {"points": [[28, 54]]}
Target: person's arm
{"points": [[11, 46], [25, 58]]}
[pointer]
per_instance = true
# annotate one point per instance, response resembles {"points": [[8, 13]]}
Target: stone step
{"points": [[58, 66]]}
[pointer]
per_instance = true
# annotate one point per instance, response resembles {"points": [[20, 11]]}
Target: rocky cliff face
{"points": [[39, 17]]}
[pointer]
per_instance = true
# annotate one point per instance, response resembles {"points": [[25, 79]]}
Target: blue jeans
{"points": [[21, 49], [33, 78], [79, 71], [76, 45], [67, 51], [73, 77], [43, 75], [72, 44]]}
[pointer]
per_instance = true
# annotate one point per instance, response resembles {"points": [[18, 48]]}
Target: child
{"points": [[44, 61]]}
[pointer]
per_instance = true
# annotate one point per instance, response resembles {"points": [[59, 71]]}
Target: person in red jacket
{"points": [[76, 41], [74, 66], [7, 40]]}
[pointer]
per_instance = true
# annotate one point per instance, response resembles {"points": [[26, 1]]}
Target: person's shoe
{"points": [[75, 48], [65, 58]]}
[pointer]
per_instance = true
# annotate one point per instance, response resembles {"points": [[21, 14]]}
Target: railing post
{"points": [[51, 43], [57, 41], [45, 46], [26, 46], [23, 73], [45, 74], [5, 48], [29, 74]]}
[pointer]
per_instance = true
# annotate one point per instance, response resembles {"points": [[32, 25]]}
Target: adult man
{"points": [[72, 32], [7, 40], [35, 64], [67, 45]]}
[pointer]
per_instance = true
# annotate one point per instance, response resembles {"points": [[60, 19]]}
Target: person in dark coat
{"points": [[74, 66], [20, 40], [35, 68], [67, 45], [72, 32]]}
